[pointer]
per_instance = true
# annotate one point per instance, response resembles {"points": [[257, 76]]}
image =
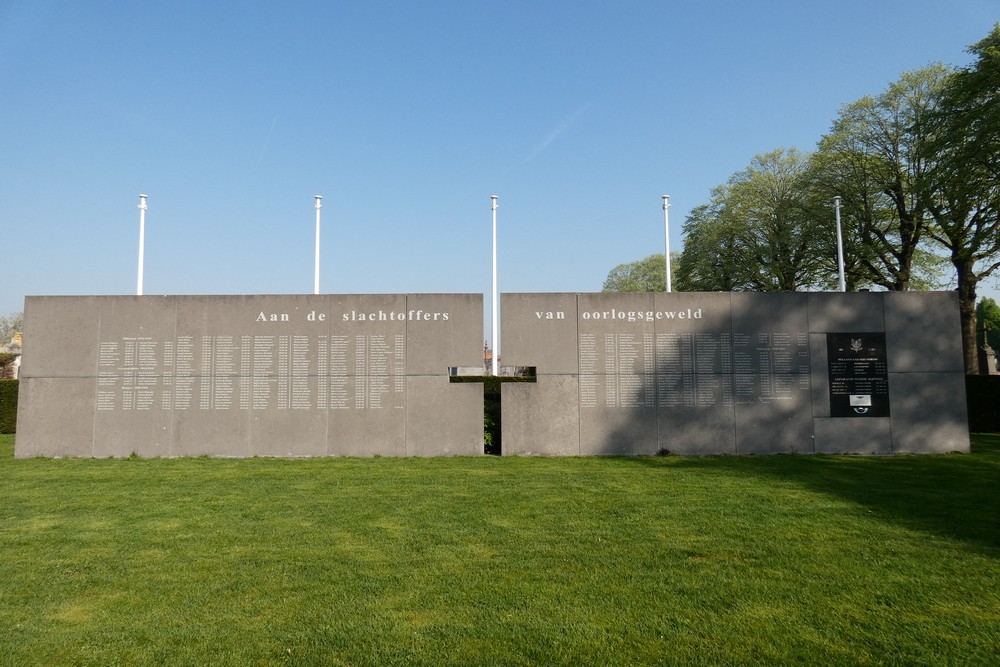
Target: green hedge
{"points": [[982, 393], [8, 406]]}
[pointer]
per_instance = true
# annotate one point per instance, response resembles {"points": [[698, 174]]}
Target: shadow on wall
{"points": [[734, 373], [750, 373], [699, 374]]}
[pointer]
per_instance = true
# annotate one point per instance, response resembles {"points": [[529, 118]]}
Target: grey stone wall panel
{"points": [[923, 332], [211, 433], [767, 425], [819, 365], [435, 345], [541, 418], [618, 432], [704, 312], [55, 417], [290, 432], [60, 337], [540, 330], [688, 428], [853, 436], [150, 436], [929, 413], [443, 418], [756, 312], [252, 375], [366, 432], [845, 311]]}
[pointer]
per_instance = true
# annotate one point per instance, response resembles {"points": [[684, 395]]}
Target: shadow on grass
{"points": [[6, 445], [954, 495]]}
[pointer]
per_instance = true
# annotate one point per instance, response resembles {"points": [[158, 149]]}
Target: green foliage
{"points": [[784, 560], [988, 318], [930, 271], [872, 159], [966, 129], [960, 187], [772, 225], [9, 325], [710, 258], [489, 430], [6, 365], [492, 442], [920, 162], [645, 275], [760, 232], [8, 406]]}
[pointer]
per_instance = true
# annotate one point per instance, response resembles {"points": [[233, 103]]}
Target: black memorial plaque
{"points": [[859, 380]]}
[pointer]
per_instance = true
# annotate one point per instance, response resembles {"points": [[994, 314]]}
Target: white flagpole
{"points": [[496, 340], [842, 283], [142, 241], [666, 233], [319, 205]]}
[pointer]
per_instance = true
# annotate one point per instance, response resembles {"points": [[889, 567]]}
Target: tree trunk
{"points": [[967, 281], [902, 278]]}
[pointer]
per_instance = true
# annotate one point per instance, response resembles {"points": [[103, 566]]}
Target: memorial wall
{"points": [[734, 373], [367, 375], [250, 376]]}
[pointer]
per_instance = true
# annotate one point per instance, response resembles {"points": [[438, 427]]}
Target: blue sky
{"points": [[406, 117]]}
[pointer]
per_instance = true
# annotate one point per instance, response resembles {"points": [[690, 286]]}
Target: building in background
{"points": [[10, 358]]}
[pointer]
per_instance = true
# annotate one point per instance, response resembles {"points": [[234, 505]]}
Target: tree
{"points": [[988, 317], [10, 325], [709, 262], [962, 185], [644, 275], [872, 159], [760, 231]]}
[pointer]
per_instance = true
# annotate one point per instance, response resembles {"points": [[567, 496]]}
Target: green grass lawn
{"points": [[501, 561]]}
